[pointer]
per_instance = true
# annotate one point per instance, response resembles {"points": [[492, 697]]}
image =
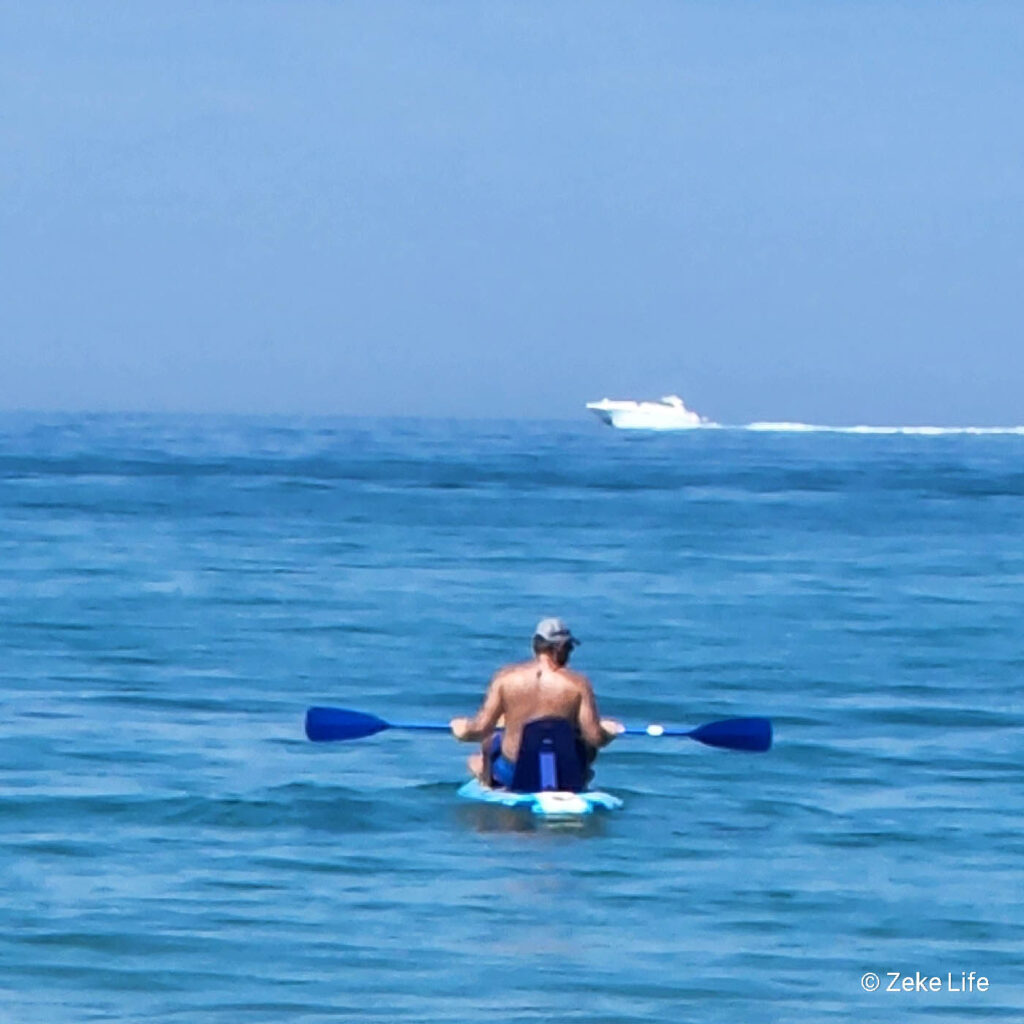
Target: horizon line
{"points": [[753, 426]]}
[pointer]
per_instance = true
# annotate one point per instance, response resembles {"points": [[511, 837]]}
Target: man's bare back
{"points": [[518, 694], [536, 689]]}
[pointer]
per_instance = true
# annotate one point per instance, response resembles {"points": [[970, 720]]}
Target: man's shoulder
{"points": [[577, 678]]}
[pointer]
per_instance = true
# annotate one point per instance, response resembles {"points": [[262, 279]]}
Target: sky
{"points": [[779, 210]]}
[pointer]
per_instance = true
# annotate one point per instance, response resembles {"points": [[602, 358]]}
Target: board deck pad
{"points": [[551, 803]]}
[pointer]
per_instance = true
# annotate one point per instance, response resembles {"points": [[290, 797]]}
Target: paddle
{"points": [[324, 724], [730, 733], [339, 724]]}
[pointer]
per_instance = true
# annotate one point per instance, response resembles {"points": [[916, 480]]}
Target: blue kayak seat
{"points": [[551, 756]]}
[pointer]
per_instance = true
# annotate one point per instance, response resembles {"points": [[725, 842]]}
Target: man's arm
{"points": [[596, 731], [482, 724]]}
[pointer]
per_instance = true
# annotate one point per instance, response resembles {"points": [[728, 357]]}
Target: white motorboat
{"points": [[668, 414]]}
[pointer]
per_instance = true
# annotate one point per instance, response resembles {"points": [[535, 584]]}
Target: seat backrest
{"points": [[550, 757]]}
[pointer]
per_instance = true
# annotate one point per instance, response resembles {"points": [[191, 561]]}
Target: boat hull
{"points": [[668, 414], [626, 420]]}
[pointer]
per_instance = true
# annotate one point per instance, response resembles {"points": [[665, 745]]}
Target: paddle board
{"points": [[551, 803]]}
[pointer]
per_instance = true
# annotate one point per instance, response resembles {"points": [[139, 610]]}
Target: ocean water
{"points": [[175, 592]]}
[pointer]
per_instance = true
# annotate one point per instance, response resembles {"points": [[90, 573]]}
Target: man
{"points": [[542, 688]]}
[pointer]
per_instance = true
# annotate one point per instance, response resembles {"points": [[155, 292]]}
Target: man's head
{"points": [[554, 638]]}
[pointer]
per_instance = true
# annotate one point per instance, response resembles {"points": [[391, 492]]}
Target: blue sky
{"points": [[784, 210]]}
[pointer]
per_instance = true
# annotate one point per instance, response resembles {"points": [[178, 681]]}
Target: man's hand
{"points": [[611, 727], [459, 727]]}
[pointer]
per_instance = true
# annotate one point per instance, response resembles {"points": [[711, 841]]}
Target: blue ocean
{"points": [[176, 591]]}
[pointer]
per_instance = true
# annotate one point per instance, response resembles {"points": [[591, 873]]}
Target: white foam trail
{"points": [[783, 427], [923, 431]]}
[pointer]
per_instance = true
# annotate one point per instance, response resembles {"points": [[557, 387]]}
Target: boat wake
{"points": [[810, 428]]}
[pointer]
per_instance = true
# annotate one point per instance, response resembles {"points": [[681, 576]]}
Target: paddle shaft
{"points": [[420, 726]]}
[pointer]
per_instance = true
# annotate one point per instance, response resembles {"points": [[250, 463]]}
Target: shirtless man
{"points": [[542, 688]]}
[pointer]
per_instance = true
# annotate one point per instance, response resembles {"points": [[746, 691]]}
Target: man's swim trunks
{"points": [[502, 769]]}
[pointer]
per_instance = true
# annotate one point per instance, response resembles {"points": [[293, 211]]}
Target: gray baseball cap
{"points": [[555, 631]]}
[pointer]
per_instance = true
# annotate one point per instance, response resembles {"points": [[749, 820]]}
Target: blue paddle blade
{"points": [[736, 734], [338, 724]]}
